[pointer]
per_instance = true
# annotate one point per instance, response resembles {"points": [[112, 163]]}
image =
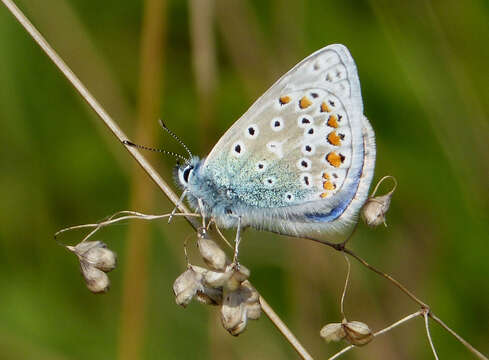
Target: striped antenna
{"points": [[129, 143], [173, 135]]}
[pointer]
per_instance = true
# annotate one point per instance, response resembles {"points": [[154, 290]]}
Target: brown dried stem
{"points": [[119, 134], [428, 333]]}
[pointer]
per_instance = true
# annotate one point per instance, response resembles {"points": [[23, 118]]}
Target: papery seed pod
{"points": [[101, 258], [233, 313], [374, 210], [84, 246], [186, 286], [217, 279], [357, 333], [212, 254], [332, 332], [252, 295], [95, 253], [96, 280], [251, 299], [253, 311], [213, 279]]}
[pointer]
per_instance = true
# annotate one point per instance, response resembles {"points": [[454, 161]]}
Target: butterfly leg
{"points": [[180, 201], [201, 209], [236, 243]]}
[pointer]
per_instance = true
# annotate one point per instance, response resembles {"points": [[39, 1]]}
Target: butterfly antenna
{"points": [[129, 143], [173, 135]]}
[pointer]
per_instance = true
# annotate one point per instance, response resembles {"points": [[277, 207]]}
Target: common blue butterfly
{"points": [[299, 162]]}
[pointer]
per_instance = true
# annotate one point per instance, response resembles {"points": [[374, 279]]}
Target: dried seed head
{"points": [[238, 307], [101, 258], [252, 300], [186, 286], [332, 332], [212, 254], [253, 311], [96, 254], [96, 280], [357, 333], [375, 208], [216, 279], [233, 313]]}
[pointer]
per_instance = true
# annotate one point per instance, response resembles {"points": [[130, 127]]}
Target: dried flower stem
{"points": [[61, 65], [428, 333], [342, 309]]}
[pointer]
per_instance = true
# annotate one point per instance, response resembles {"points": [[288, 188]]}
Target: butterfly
{"points": [[299, 162]]}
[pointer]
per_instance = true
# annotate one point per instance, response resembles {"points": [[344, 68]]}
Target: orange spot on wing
{"points": [[334, 139], [335, 159], [333, 121], [323, 195], [284, 100], [304, 102], [328, 185], [325, 176], [325, 107]]}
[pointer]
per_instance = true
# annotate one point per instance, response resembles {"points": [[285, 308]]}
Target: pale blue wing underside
{"points": [[301, 159]]}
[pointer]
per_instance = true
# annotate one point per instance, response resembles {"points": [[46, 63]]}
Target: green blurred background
{"points": [[199, 64]]}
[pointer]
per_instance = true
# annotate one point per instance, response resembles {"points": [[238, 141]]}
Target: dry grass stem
{"points": [[342, 309], [428, 333]]}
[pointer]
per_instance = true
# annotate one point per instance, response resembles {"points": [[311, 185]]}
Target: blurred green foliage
{"points": [[423, 69]]}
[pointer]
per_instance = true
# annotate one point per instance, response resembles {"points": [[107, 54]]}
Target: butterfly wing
{"points": [[300, 160]]}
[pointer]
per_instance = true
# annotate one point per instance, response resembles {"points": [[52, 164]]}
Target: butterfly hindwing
{"points": [[300, 152]]}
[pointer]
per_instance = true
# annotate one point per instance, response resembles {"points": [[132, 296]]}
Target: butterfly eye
{"points": [[186, 173]]}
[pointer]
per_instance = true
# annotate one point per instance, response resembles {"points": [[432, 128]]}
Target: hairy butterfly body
{"points": [[299, 162]]}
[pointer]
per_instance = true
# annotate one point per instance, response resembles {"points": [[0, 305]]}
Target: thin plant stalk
{"points": [[428, 334]]}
